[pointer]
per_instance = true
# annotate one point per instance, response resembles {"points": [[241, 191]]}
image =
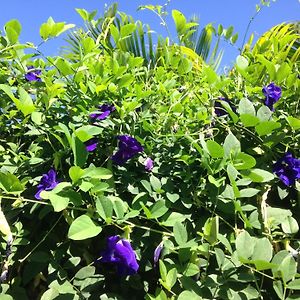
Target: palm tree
{"points": [[117, 30]]}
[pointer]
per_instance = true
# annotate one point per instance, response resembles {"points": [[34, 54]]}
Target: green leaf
{"points": [[231, 146], [83, 13], [75, 173], [97, 173], [258, 175], [283, 72], [293, 122], [59, 196], [162, 270], [171, 278], [251, 293], [79, 151], [249, 120], [180, 21], [248, 192], [172, 218], [172, 197], [266, 127], [50, 294], [215, 150], [158, 209], [211, 229], [37, 117], [62, 127], [264, 113], [104, 207], [225, 242], [84, 133], [242, 62], [184, 66], [286, 266], [10, 183], [51, 29], [211, 76], [45, 31], [191, 270], [120, 207], [83, 228], [220, 257], [278, 288], [4, 226], [13, 29], [26, 104], [188, 295], [228, 32], [244, 245], [63, 66], [216, 182], [155, 183], [180, 233], [276, 215], [125, 80], [290, 225], [85, 272], [246, 107], [234, 38], [244, 161], [263, 250], [127, 30], [262, 264], [294, 285], [88, 45]]}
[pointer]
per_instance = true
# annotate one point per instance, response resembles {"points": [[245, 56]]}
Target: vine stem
{"points": [[40, 202], [148, 228], [247, 30], [42, 240], [85, 210]]}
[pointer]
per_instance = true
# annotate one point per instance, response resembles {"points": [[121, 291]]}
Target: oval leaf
{"points": [[83, 228]]}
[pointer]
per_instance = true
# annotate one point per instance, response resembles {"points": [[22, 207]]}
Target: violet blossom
{"points": [[104, 111], [91, 144], [157, 252], [272, 93], [120, 253], [128, 147], [148, 163], [33, 74], [48, 182], [287, 169]]}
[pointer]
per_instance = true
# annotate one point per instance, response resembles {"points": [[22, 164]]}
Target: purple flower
{"points": [[272, 93], [157, 252], [128, 147], [48, 182], [120, 253], [148, 163], [33, 74], [104, 111], [287, 169], [220, 109], [91, 144]]}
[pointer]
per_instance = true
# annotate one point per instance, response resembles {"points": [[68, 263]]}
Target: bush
{"points": [[129, 175]]}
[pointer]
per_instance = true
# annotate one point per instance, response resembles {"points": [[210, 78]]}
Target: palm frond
{"points": [[280, 42]]}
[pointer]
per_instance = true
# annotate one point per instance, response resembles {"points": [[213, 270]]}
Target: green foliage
{"points": [[227, 225]]}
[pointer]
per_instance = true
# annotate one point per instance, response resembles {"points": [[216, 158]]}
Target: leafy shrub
{"points": [[128, 178]]}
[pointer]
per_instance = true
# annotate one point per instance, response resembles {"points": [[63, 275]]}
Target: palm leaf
{"points": [[280, 42]]}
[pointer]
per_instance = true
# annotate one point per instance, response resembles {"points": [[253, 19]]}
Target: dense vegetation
{"points": [[134, 171]]}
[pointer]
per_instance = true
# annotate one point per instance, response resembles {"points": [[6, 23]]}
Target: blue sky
{"points": [[33, 13]]}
